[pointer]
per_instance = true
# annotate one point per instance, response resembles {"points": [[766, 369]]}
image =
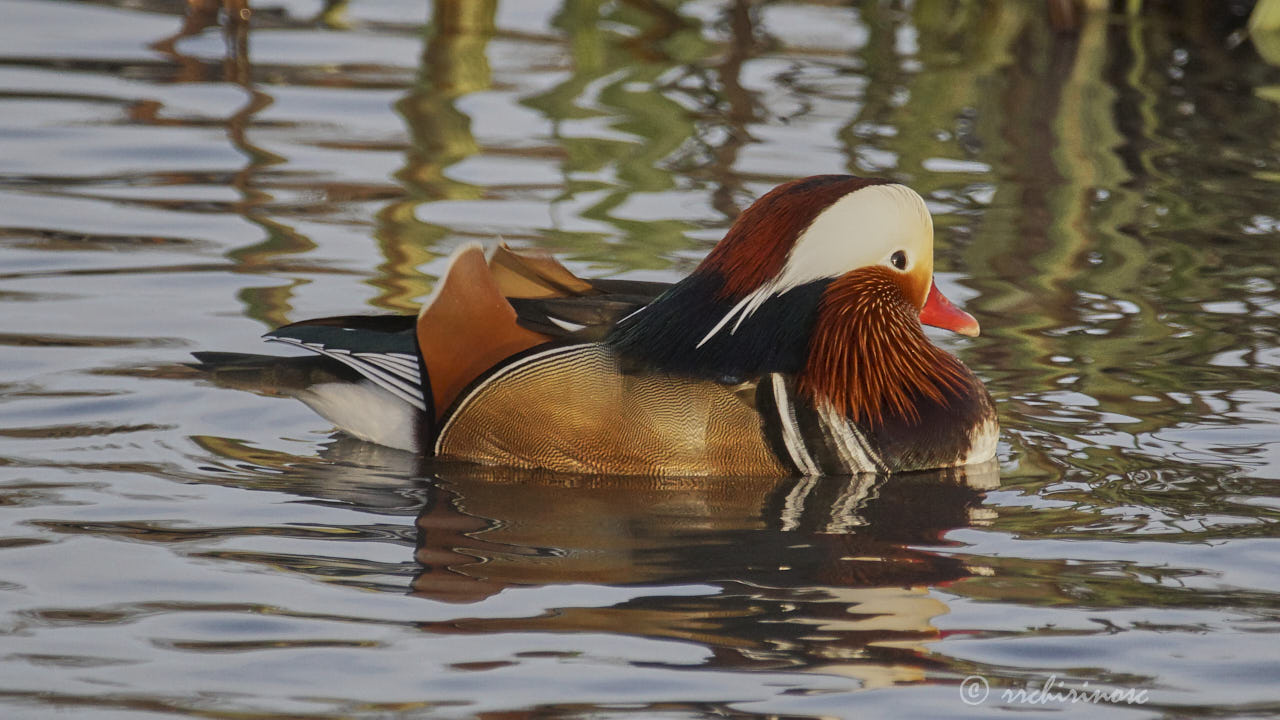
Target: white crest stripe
{"points": [[727, 317]]}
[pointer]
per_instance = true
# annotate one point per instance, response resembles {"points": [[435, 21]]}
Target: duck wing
{"points": [[549, 299], [581, 318], [381, 348]]}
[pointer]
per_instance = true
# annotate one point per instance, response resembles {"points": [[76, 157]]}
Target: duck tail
{"points": [[270, 374], [337, 391]]}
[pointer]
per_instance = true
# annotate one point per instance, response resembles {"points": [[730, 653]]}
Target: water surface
{"points": [[1105, 192]]}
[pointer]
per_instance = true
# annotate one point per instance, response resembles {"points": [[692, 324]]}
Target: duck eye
{"points": [[899, 260]]}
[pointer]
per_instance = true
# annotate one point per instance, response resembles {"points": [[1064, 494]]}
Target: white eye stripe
{"points": [[857, 229]]}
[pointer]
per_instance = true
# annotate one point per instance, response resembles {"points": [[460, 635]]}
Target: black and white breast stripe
{"points": [[816, 441], [394, 372]]}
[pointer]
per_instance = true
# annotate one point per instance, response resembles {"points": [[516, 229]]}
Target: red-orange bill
{"points": [[939, 312]]}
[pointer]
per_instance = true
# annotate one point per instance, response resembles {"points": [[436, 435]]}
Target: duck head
{"points": [[826, 278], [823, 228]]}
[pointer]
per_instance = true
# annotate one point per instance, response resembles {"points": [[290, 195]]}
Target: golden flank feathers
{"points": [[573, 409]]}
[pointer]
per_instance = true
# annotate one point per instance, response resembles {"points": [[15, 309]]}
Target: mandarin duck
{"points": [[794, 347]]}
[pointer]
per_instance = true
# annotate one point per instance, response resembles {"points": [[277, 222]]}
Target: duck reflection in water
{"points": [[829, 574], [819, 573]]}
